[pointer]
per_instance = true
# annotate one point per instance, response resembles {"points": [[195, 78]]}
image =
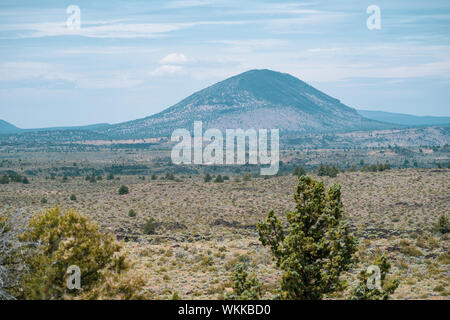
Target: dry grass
{"points": [[204, 229]]}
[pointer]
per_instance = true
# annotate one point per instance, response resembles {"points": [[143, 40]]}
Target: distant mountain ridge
{"points": [[254, 99], [404, 119], [89, 127], [8, 128]]}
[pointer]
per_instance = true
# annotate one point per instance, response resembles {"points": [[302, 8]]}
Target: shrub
{"points": [[244, 287], [299, 171], [317, 245], [73, 197], [444, 258], [123, 190], [131, 213], [4, 179], [5, 266], [218, 179], [380, 291], [170, 176], [65, 239], [442, 226], [110, 176], [149, 226], [328, 171], [207, 178], [124, 285], [25, 180], [91, 178], [321, 171], [409, 250], [175, 296], [43, 200], [11, 256]]}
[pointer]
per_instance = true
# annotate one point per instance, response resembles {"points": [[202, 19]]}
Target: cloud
{"points": [[25, 74], [89, 29], [37, 82], [165, 70], [251, 45], [174, 58], [189, 3], [101, 29], [104, 50], [170, 65], [34, 75]]}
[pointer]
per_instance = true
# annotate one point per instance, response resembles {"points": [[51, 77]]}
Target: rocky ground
{"points": [[204, 229]]}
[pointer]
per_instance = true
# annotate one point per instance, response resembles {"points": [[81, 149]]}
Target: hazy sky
{"points": [[133, 58]]}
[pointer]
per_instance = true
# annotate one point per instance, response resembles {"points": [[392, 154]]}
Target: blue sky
{"points": [[133, 58]]}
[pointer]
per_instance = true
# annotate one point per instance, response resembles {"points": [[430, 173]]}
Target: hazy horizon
{"points": [[125, 120], [131, 59]]}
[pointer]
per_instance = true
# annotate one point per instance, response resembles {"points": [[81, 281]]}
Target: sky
{"points": [[130, 59]]}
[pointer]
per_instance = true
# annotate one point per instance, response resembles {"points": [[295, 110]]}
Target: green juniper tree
{"points": [[299, 171], [443, 225], [321, 171], [244, 287], [208, 177], [4, 179], [123, 190], [315, 247], [369, 289]]}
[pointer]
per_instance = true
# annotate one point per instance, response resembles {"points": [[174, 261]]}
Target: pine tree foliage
{"points": [[367, 288], [245, 287], [315, 247]]}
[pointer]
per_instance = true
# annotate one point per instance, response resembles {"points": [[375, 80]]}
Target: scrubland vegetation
{"points": [[140, 228]]}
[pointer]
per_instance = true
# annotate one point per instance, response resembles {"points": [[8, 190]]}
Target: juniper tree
{"points": [[62, 239], [321, 171], [299, 171], [315, 247], [4, 179], [369, 289], [443, 225], [245, 287], [208, 177], [11, 255], [123, 190], [6, 248]]}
